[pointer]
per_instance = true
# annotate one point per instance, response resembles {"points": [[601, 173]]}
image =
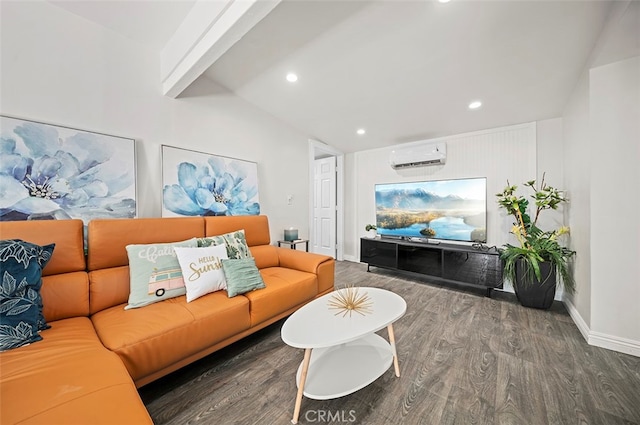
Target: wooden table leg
{"points": [[303, 378], [392, 341]]}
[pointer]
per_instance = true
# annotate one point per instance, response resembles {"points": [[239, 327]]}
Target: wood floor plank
{"points": [[519, 395], [562, 395], [612, 388], [479, 374], [464, 359], [464, 407]]}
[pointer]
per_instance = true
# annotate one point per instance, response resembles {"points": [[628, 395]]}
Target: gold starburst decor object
{"points": [[349, 300]]}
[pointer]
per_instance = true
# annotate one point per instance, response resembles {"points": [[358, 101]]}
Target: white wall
{"points": [[615, 201], [601, 156], [549, 167], [61, 69], [549, 151], [577, 177], [501, 154], [352, 233]]}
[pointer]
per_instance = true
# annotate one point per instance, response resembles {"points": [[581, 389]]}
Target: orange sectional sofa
{"points": [[90, 362]]}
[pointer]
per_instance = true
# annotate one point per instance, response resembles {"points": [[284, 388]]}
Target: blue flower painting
{"points": [[199, 184], [52, 172]]}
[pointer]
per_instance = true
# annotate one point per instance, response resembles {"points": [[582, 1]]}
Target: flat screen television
{"points": [[453, 210]]}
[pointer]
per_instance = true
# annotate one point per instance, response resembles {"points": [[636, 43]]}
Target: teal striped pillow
{"points": [[242, 276]]}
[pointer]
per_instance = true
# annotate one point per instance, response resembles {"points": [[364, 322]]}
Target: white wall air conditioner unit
{"points": [[418, 155]]}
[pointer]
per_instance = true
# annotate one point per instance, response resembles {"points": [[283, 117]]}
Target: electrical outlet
{"points": [[289, 199]]}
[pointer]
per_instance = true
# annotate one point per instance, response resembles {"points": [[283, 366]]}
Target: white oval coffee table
{"points": [[342, 351]]}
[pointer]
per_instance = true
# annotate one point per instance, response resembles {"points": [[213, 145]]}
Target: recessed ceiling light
{"points": [[361, 131], [475, 104], [444, 1], [291, 77]]}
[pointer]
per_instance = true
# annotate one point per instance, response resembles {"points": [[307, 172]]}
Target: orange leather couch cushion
{"points": [[320, 265], [157, 336], [256, 227], [65, 295], [109, 287], [69, 377], [285, 288], [68, 255], [65, 285], [108, 238], [265, 256]]}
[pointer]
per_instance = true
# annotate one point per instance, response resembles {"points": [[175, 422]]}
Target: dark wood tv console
{"points": [[444, 262]]}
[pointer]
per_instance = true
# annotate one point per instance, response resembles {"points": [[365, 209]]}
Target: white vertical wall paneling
{"points": [[549, 160], [549, 163], [501, 154]]}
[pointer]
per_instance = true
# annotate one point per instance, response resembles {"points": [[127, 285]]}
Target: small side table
{"points": [[296, 242]]}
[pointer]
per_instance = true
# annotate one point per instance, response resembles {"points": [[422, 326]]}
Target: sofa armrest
{"points": [[301, 260], [321, 265]]}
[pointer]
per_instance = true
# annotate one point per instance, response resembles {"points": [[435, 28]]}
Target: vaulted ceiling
{"points": [[400, 70]]}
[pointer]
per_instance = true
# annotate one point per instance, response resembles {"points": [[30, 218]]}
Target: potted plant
{"points": [[534, 264], [372, 230]]}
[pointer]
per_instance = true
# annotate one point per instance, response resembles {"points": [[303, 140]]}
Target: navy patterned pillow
{"points": [[21, 317]]}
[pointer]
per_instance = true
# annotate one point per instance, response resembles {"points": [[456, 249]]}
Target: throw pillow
{"points": [[202, 269], [20, 302], [242, 276], [154, 273], [236, 243]]}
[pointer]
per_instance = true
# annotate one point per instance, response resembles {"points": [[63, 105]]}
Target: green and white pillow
{"points": [[155, 273], [202, 269], [236, 243]]}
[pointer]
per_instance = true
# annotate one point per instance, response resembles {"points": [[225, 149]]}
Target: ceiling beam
{"points": [[208, 31]]}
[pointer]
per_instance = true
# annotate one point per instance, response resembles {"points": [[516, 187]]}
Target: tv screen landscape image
{"points": [[453, 210]]}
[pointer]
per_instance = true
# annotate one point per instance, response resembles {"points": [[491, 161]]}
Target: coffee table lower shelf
{"points": [[343, 369]]}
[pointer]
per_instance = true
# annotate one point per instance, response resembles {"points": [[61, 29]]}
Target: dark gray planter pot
{"points": [[535, 294]]}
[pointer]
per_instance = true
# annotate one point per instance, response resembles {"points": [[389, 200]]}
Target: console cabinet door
{"points": [[418, 259], [377, 253], [474, 268]]}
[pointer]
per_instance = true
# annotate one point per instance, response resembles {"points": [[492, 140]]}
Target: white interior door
{"points": [[324, 207]]}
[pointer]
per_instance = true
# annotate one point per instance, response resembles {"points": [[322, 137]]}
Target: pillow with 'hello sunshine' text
{"points": [[202, 269]]}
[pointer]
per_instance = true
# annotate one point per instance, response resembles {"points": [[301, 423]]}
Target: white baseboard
{"points": [[351, 258], [610, 342], [622, 345], [577, 319]]}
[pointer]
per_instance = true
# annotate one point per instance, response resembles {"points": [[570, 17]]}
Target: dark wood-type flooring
{"points": [[464, 359]]}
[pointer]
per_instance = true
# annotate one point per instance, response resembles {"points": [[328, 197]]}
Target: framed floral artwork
{"points": [[202, 184], [55, 172]]}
